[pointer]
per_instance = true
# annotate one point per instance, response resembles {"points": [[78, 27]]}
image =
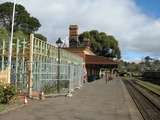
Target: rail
{"points": [[144, 101]]}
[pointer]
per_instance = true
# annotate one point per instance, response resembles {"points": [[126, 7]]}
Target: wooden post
{"points": [[112, 75], [23, 54], [107, 76], [23, 63], [17, 59], [30, 66], [3, 52]]}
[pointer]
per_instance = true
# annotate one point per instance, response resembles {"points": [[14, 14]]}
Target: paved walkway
{"points": [[95, 101]]}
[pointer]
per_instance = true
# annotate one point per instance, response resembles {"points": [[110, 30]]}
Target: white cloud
{"points": [[122, 18]]}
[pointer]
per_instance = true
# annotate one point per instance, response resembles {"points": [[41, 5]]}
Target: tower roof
{"points": [[73, 27]]}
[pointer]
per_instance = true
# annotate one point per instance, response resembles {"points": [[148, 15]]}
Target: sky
{"points": [[134, 23], [149, 7]]}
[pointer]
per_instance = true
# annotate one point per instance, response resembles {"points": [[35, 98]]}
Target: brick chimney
{"points": [[73, 36]]}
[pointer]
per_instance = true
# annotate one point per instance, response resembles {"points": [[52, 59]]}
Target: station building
{"points": [[93, 63]]}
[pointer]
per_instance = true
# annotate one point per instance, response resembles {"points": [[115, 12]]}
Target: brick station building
{"points": [[93, 63]]}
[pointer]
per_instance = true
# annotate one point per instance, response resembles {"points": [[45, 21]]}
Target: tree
{"points": [[102, 44], [20, 35], [23, 20], [147, 59], [3, 34], [40, 36]]}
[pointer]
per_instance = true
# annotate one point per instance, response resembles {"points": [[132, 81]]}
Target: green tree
{"points": [[40, 36], [3, 33], [84, 35], [20, 35], [148, 59], [101, 43], [23, 20]]}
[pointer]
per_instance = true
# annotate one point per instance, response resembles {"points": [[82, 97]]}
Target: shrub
{"points": [[1, 93], [49, 88], [7, 93]]}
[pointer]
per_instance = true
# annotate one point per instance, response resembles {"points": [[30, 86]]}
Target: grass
{"points": [[125, 78], [153, 87], [2, 107], [14, 103]]}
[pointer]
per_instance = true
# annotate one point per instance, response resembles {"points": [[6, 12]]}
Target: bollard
{"points": [[25, 100], [69, 95], [41, 95]]}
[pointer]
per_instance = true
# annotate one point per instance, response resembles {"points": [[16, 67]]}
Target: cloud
{"points": [[135, 30]]}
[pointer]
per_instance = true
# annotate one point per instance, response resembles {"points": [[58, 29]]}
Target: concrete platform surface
{"points": [[94, 101]]}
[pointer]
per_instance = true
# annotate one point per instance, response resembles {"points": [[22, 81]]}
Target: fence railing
{"points": [[45, 77], [34, 66]]}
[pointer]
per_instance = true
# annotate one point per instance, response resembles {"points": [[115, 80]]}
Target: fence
{"points": [[34, 66], [45, 77]]}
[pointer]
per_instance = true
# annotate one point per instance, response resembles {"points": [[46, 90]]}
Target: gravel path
{"points": [[94, 101]]}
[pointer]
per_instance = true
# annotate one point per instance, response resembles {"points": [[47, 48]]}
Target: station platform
{"points": [[108, 101], [94, 101]]}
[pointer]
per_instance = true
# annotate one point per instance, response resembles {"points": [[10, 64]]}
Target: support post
{"points": [[30, 66], [3, 52], [23, 64], [70, 80], [58, 70], [17, 59], [112, 73], [10, 45]]}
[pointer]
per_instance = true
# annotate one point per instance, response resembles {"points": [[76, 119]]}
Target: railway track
{"points": [[150, 94], [147, 103]]}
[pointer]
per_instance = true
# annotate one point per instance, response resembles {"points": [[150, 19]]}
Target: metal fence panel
{"points": [[45, 77]]}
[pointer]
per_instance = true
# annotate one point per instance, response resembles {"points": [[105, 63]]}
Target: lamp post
{"points": [[10, 42], [59, 44]]}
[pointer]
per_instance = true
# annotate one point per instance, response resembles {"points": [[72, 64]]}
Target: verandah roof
{"points": [[99, 60]]}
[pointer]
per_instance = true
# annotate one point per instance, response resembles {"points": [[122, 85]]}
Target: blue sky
{"points": [[133, 56], [149, 7]]}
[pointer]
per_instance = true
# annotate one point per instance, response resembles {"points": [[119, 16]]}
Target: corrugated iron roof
{"points": [[90, 59]]}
